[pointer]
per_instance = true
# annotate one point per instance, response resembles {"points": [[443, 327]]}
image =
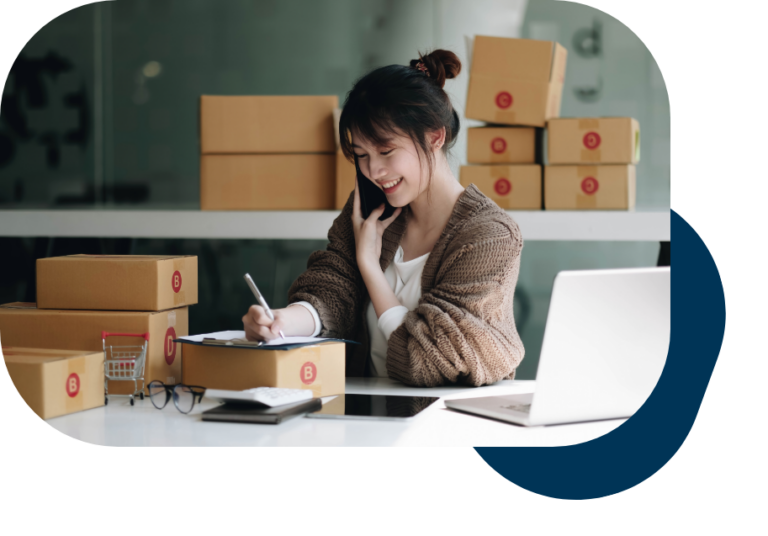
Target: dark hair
{"points": [[406, 99]]}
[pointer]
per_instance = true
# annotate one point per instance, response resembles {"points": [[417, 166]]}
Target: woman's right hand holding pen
{"points": [[293, 321], [259, 327]]}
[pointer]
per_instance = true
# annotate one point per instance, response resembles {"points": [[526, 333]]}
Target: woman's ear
{"points": [[437, 139]]}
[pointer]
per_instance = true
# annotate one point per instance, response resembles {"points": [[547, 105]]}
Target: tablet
{"points": [[373, 407]]}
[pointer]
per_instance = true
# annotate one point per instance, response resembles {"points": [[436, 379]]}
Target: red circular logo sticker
{"points": [[502, 186], [73, 385], [176, 281], [498, 145], [504, 100], [308, 373], [589, 185], [169, 347], [591, 140]]}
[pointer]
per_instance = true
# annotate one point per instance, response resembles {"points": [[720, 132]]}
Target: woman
{"points": [[428, 291]]}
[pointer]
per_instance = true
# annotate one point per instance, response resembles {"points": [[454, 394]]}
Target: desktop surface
{"points": [[120, 424]]}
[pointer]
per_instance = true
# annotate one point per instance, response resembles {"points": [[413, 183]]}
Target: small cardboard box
{"points": [[515, 187], [319, 367], [268, 182], [515, 81], [604, 140], [504, 145], [56, 382], [267, 124], [116, 282], [589, 187], [22, 324]]}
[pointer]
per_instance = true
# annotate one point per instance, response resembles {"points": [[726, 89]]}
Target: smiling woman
{"points": [[429, 290]]}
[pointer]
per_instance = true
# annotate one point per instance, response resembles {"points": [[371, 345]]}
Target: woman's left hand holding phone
{"points": [[368, 232]]}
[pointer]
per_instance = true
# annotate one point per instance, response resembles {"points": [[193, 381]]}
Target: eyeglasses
{"points": [[183, 395]]}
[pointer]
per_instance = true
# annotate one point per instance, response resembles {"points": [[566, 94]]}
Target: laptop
{"points": [[605, 345]]}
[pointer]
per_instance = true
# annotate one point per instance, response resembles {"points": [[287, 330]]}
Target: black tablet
{"points": [[375, 407]]}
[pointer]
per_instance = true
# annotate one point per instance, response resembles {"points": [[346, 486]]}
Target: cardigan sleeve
{"points": [[463, 329], [332, 283]]}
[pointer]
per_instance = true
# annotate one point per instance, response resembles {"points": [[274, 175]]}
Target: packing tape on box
{"points": [[588, 155], [499, 177], [505, 117], [589, 123], [171, 319], [587, 200], [179, 297], [73, 397]]}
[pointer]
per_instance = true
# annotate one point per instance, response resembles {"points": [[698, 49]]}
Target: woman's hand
{"points": [[368, 232], [259, 327]]}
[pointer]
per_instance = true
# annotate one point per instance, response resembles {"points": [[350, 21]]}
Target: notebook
{"points": [[260, 414]]}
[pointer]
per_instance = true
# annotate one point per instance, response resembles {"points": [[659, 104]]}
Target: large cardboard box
{"points": [[268, 182], [116, 282], [22, 324], [516, 187], [266, 124], [515, 81], [56, 382], [589, 187], [319, 367], [504, 145], [604, 140]]}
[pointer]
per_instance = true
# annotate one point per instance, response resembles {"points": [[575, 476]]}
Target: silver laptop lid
{"points": [[605, 344]]}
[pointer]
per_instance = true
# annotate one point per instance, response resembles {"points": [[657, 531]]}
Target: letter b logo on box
{"points": [[176, 281], [308, 373]]}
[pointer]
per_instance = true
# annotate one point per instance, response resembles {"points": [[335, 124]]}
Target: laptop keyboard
{"points": [[523, 408]]}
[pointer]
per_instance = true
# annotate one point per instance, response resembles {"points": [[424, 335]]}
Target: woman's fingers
{"points": [[392, 218], [356, 213]]}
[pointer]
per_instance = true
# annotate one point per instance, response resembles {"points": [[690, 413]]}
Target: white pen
{"points": [[261, 299]]}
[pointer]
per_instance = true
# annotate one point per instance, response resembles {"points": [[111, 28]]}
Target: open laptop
{"points": [[605, 345]]}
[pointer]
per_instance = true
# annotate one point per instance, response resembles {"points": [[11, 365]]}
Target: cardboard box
{"points": [[56, 382], [22, 324], [604, 140], [268, 182], [346, 174], [116, 282], [515, 187], [515, 81], [267, 124], [505, 145], [319, 367], [345, 179], [589, 187]]}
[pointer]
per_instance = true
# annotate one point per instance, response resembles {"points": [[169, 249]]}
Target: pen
{"points": [[261, 299]]}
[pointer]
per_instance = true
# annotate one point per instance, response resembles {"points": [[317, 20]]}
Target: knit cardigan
{"points": [[463, 328]]}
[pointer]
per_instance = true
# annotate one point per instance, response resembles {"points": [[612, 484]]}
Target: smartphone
{"points": [[371, 196]]}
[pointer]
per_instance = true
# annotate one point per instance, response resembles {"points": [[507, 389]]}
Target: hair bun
{"points": [[441, 64]]}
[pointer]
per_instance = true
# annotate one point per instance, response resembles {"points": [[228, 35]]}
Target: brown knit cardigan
{"points": [[463, 328]]}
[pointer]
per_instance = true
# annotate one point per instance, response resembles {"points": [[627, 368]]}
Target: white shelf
{"points": [[535, 225]]}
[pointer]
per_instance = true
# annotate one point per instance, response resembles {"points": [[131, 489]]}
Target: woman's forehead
{"points": [[389, 138]]}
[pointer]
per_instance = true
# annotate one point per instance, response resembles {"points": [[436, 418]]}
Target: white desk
{"points": [[120, 424], [641, 225]]}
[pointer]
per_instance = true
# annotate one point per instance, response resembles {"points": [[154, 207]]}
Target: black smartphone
{"points": [[371, 196]]}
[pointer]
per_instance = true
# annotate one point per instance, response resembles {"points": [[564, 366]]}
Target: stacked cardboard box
{"points": [[591, 163], [267, 152], [80, 296], [346, 173], [516, 85]]}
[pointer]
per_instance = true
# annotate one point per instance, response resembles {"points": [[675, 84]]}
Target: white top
{"points": [[404, 278]]}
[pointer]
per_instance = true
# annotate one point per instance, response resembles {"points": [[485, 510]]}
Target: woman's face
{"points": [[394, 168]]}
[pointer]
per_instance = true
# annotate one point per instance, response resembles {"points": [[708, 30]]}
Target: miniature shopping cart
{"points": [[124, 363]]}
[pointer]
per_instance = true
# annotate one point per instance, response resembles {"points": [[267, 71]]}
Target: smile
{"points": [[390, 186]]}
